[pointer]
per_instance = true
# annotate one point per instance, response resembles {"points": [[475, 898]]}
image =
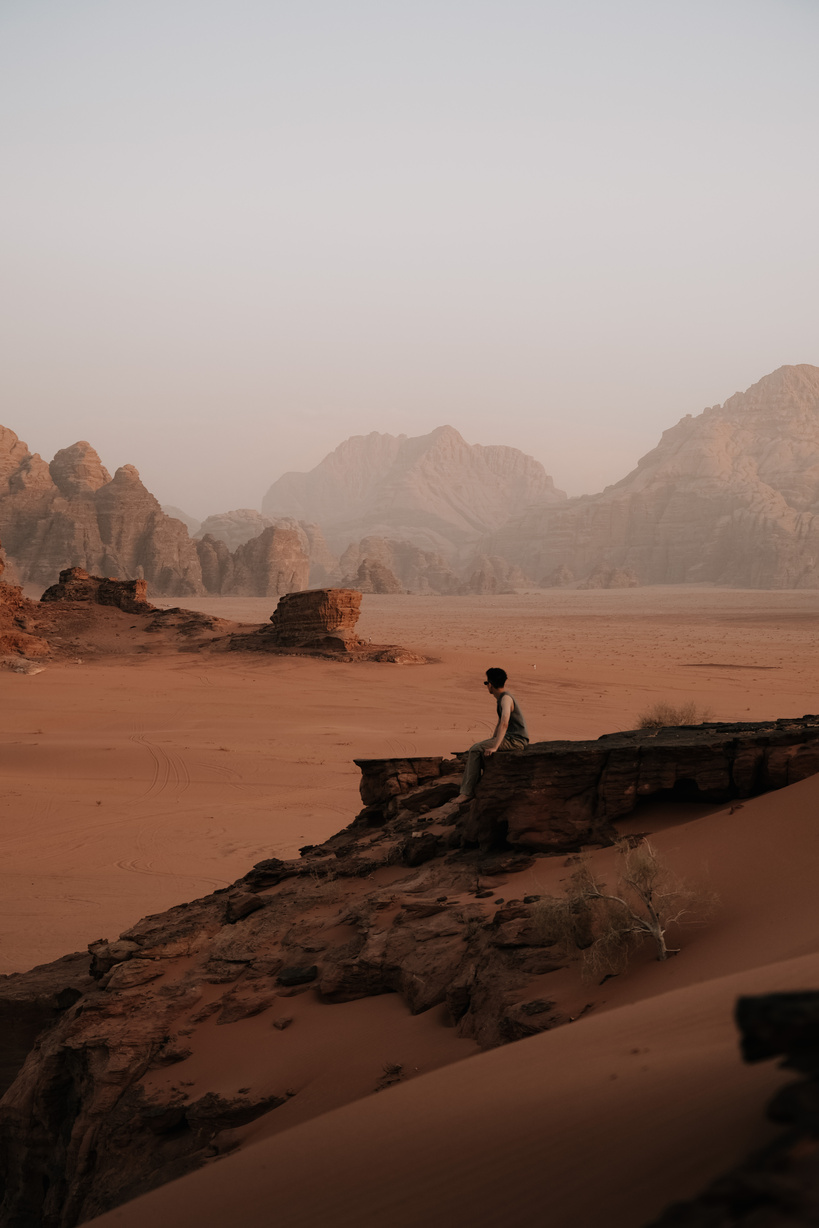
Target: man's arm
{"points": [[502, 725]]}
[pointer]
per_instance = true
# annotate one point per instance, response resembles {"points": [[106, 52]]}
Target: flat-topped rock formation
{"points": [[730, 496], [557, 795], [321, 622], [435, 491], [319, 618]]}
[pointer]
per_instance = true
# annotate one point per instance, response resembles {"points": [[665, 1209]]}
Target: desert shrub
{"points": [[661, 715], [607, 925]]}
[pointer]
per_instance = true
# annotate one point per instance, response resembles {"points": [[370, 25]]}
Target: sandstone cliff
{"points": [[436, 491], [72, 513], [730, 497], [418, 571], [239, 527]]}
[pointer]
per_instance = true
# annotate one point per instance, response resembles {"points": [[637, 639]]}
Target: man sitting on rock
{"points": [[510, 733]]}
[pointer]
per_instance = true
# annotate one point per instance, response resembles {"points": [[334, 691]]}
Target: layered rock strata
{"points": [[75, 584], [318, 618], [321, 622], [557, 795]]}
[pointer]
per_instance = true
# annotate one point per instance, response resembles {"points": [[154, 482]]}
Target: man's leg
{"points": [[474, 767]]}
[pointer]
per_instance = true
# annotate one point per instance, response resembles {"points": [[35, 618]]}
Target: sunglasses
{"points": [[487, 683]]}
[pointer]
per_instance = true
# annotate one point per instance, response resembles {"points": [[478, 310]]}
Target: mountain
{"points": [[436, 491], [730, 496], [72, 513]]}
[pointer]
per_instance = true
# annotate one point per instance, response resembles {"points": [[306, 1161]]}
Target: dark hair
{"points": [[497, 677]]}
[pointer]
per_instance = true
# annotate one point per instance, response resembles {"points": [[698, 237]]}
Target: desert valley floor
{"points": [[133, 783]]}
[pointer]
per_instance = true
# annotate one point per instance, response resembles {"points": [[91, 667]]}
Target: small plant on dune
{"points": [[664, 715], [391, 1073], [607, 925]]}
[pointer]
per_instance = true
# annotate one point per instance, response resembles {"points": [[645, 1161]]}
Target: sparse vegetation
{"points": [[663, 715], [607, 925], [392, 1072]]}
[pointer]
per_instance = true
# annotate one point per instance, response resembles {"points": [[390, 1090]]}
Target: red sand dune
{"points": [[603, 1121], [202, 765]]}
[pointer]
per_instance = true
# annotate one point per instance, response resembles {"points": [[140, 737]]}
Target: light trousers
{"points": [[475, 761]]}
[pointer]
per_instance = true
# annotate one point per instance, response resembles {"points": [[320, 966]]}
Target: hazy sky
{"points": [[235, 233]]}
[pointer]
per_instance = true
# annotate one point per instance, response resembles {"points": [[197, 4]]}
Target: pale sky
{"points": [[234, 234]]}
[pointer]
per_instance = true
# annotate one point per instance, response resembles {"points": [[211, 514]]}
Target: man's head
{"points": [[495, 679]]}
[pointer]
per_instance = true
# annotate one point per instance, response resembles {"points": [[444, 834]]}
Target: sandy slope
{"points": [[203, 764], [130, 784], [600, 1122]]}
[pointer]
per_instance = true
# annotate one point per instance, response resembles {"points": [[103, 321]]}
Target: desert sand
{"points": [[133, 783]]}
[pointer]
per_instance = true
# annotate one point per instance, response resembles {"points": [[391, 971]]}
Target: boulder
{"points": [[318, 618]]}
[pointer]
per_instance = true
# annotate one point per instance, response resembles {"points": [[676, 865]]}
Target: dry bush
{"points": [[663, 715], [606, 926]]}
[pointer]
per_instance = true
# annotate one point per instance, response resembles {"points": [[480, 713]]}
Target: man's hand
{"points": [[490, 750]]}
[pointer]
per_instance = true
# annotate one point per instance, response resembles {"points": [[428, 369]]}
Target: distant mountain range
{"points": [[730, 496], [436, 491]]}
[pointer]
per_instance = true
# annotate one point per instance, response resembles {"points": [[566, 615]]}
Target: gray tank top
{"points": [[517, 725]]}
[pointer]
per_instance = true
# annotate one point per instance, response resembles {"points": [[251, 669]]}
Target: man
{"points": [[510, 733]]}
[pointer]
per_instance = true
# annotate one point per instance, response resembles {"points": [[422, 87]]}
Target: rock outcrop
{"points": [[373, 577], [76, 585], [320, 622], [271, 564], [559, 795], [416, 570], [236, 527], [18, 629], [435, 491], [321, 618], [488, 573], [730, 497], [780, 1184]]}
